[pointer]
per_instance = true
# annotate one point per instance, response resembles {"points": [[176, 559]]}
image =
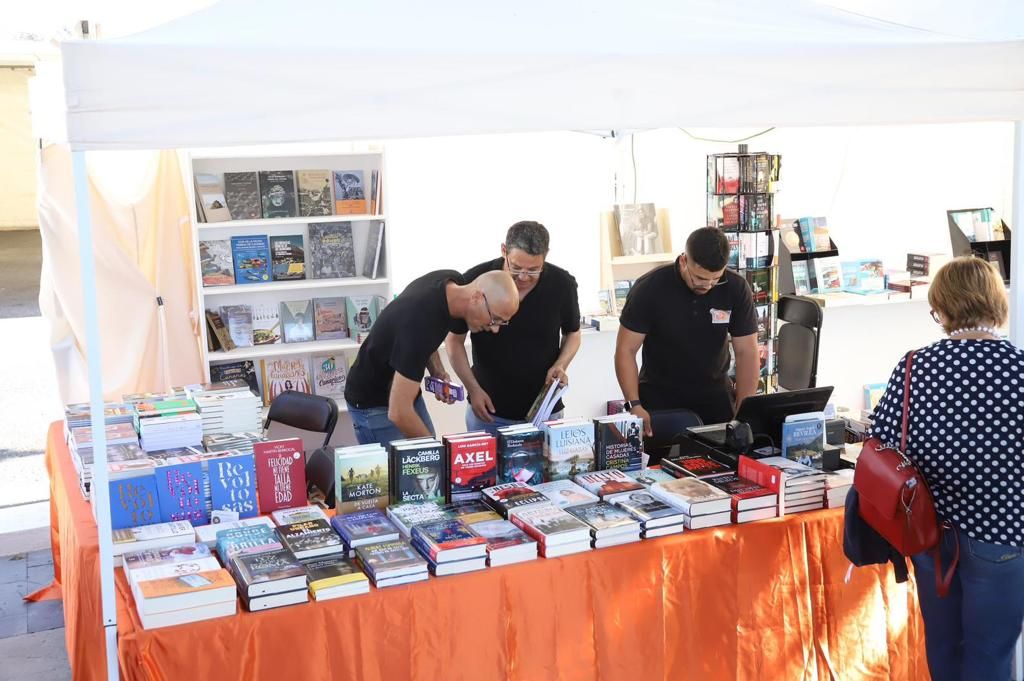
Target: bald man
{"points": [[383, 387]]}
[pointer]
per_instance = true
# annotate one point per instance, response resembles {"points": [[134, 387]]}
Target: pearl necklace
{"points": [[977, 329]]}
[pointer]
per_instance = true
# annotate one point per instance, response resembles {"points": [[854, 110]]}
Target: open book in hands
{"points": [[545, 403]]}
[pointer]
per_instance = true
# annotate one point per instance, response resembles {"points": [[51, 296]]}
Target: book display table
{"points": [[760, 601]]}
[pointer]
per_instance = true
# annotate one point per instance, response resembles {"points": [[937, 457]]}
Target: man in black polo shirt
{"points": [[383, 387], [510, 367], [683, 315]]}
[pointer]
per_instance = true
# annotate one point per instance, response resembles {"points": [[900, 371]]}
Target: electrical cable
{"points": [[736, 141]]}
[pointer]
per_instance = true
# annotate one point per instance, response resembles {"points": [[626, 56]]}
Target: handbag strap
{"points": [[906, 402]]}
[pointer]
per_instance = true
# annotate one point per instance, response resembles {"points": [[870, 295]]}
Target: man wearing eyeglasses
{"points": [[383, 387], [512, 366], [684, 315]]}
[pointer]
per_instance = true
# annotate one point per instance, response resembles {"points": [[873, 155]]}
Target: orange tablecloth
{"points": [[760, 601]]}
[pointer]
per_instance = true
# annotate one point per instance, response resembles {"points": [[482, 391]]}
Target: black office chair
{"points": [[312, 414], [798, 342], [668, 425]]}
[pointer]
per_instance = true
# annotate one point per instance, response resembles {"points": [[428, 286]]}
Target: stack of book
{"points": [[557, 532], [657, 518], [408, 515], [521, 454], [450, 547], [702, 505], [79, 414], [513, 497], [750, 501], [506, 543], [609, 525], [364, 527], [269, 579], [334, 577], [207, 534], [150, 538], [565, 493], [608, 484], [391, 563], [239, 441], [229, 412], [837, 485], [122, 446], [168, 424], [800, 488], [472, 464], [568, 448]]}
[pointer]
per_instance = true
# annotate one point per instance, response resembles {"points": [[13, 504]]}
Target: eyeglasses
{"points": [[935, 316], [516, 272], [494, 320]]}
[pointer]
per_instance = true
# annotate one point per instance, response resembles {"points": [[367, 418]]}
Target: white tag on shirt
{"points": [[720, 316]]}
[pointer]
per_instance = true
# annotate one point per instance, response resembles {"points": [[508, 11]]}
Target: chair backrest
{"points": [[306, 412], [798, 342], [667, 425]]}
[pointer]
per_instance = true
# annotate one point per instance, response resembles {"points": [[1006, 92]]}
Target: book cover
{"points": [[134, 501], [692, 495], [266, 324], [828, 274], [696, 465], [760, 282], [602, 516], [233, 484], [285, 373], [180, 491], [512, 495], [418, 473], [762, 314], [473, 466], [253, 538], [238, 321], [501, 534], [361, 481], [372, 263], [565, 493], [646, 508], [568, 449], [544, 522], [362, 313], [183, 553], [445, 535], [801, 278], [804, 441], [310, 537], [288, 258], [331, 251], [819, 233], [251, 256], [807, 234], [280, 474], [329, 376], [216, 263], [266, 566], [607, 482], [407, 515], [277, 194], [364, 527], [733, 262], [390, 557], [127, 537], [521, 457], [297, 321], [298, 514], [728, 175], [325, 573], [331, 318], [244, 370], [638, 228], [618, 442], [349, 193], [217, 332], [210, 191], [314, 193], [185, 584], [739, 488], [242, 191]]}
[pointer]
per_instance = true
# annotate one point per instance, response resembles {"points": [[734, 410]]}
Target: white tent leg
{"points": [[100, 486], [1017, 243]]}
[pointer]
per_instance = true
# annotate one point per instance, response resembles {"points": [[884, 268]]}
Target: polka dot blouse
{"points": [[966, 432]]}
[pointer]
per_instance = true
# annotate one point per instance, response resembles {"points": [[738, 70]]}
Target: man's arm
{"points": [[479, 400], [400, 407], [570, 346], [748, 368], [627, 344]]}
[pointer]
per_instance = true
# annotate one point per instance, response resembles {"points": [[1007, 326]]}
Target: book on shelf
{"points": [[237, 320], [330, 372], [288, 257], [806, 227], [331, 318], [284, 373], [280, 474], [621, 289], [266, 324], [349, 193], [297, 321], [215, 262], [762, 315], [244, 370], [418, 471], [362, 313], [233, 484], [361, 479], [565, 493], [373, 262], [638, 229], [334, 577], [242, 191], [760, 282], [569, 548], [727, 175], [801, 278], [820, 236], [277, 193], [828, 274], [331, 251], [791, 235], [210, 192], [310, 538], [364, 527], [314, 188], [251, 256]]}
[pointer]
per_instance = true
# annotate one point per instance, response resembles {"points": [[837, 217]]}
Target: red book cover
{"points": [[473, 466], [280, 474], [760, 473], [697, 465]]}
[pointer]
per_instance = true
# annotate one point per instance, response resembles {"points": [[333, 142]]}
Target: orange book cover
{"points": [[183, 584]]}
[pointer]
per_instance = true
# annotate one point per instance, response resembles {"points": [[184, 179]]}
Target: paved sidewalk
{"points": [[31, 634]]}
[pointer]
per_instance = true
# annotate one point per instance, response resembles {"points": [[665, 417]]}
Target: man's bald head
{"points": [[500, 291]]}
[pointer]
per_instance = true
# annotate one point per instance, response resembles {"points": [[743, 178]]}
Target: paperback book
{"points": [[618, 442], [329, 376], [606, 519], [607, 484], [364, 527], [361, 479], [418, 472], [391, 559], [242, 191], [297, 321], [284, 373], [331, 318], [238, 322], [448, 540], [510, 498], [506, 543], [520, 456], [565, 493], [310, 538], [216, 263], [233, 484], [267, 572], [210, 191], [266, 324], [251, 256], [550, 525], [277, 194], [362, 313], [288, 258], [280, 474], [331, 250], [349, 193], [472, 466], [180, 490], [373, 263], [314, 193]]}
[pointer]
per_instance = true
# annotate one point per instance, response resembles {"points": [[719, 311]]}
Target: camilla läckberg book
{"points": [[418, 473]]}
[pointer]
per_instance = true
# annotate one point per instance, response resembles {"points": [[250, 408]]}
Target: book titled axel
{"points": [[472, 465]]}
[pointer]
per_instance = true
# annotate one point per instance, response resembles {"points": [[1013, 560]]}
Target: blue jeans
{"points": [[473, 423], [971, 633], [373, 424]]}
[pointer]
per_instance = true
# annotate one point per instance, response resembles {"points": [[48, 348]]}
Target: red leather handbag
{"points": [[894, 497]]}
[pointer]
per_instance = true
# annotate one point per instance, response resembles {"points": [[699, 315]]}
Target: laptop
{"points": [[766, 413]]}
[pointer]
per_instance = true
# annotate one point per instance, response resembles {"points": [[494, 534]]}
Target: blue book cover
{"points": [[236, 539], [806, 235], [851, 275], [233, 484], [364, 525], [134, 502], [252, 259], [180, 489], [801, 278], [804, 441]]}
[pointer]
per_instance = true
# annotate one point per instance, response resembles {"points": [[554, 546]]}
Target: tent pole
{"points": [[1017, 241], [100, 487]]}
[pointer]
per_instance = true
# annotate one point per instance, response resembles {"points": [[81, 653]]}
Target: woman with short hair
{"points": [[966, 434]]}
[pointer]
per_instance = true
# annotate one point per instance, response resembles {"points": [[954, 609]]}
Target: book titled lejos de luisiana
{"points": [[284, 373], [277, 193], [568, 448], [329, 376], [288, 257], [251, 254], [280, 474], [418, 472], [361, 479]]}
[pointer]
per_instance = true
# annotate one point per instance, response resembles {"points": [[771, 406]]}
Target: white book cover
{"points": [[565, 493]]}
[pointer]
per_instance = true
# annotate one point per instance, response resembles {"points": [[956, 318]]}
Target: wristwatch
{"points": [[629, 404]]}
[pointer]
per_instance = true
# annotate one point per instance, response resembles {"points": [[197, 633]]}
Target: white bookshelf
{"points": [[276, 292]]}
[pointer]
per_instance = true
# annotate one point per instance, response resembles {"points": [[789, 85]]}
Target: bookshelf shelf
{"points": [[299, 285], [282, 349], [272, 222], [643, 259]]}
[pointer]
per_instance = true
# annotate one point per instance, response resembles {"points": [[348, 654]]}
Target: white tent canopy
{"points": [[256, 72]]}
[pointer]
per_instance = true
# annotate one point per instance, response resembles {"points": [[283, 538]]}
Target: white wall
{"points": [[17, 152]]}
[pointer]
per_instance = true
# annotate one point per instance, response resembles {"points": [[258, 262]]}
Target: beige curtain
{"points": [[143, 249]]}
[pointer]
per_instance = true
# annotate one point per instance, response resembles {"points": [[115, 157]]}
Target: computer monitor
{"points": [[766, 413]]}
